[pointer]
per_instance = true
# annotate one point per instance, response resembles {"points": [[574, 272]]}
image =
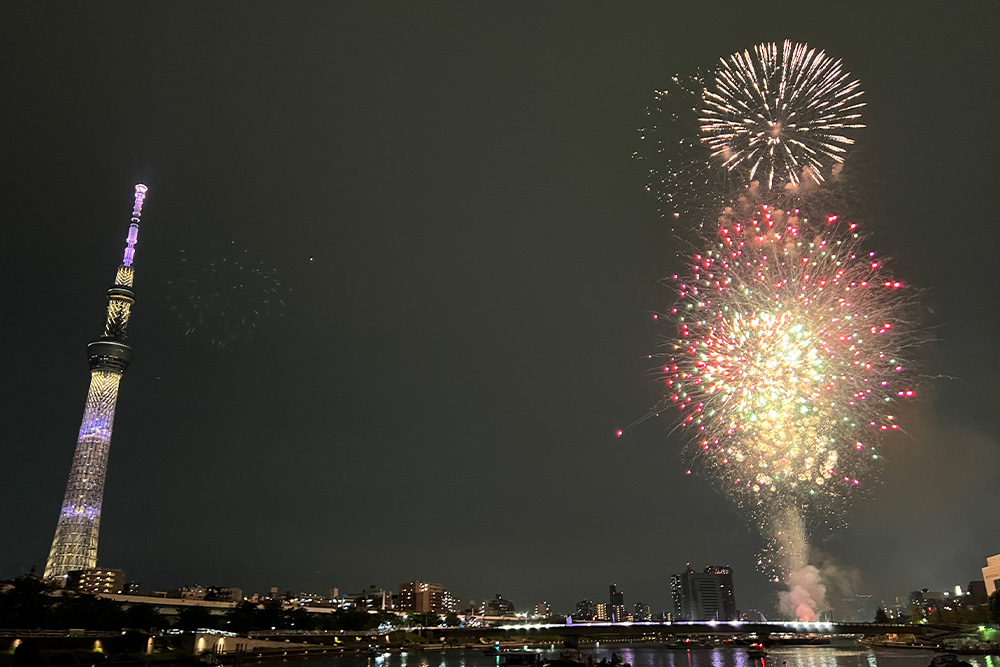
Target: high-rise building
{"points": [[449, 603], [725, 575], [417, 596], [616, 603], [586, 610], [74, 546], [991, 574], [676, 585], [704, 596], [977, 593], [642, 612], [425, 598]]}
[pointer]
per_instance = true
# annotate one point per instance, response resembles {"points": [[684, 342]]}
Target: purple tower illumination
{"points": [[75, 544], [133, 229]]}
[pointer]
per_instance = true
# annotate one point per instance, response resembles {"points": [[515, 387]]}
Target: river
{"points": [[650, 656]]}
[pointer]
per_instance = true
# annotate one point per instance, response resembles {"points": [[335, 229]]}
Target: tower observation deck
{"points": [[74, 546]]}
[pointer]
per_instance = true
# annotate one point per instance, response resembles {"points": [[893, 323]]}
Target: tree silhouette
{"points": [[192, 618], [26, 604]]}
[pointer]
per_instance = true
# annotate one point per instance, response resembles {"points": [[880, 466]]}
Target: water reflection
{"points": [[658, 656]]}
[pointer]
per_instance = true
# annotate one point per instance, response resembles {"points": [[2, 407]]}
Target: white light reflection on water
{"points": [[656, 656], [717, 660]]}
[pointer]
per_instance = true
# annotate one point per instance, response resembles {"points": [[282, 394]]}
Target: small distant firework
{"points": [[223, 295], [788, 360], [777, 114]]}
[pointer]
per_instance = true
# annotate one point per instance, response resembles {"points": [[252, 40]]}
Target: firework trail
{"points": [[792, 339]]}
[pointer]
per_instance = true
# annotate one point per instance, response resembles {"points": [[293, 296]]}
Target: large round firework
{"points": [[788, 361], [223, 295], [780, 114]]}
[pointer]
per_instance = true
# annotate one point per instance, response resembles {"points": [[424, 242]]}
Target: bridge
{"points": [[639, 630], [573, 633]]}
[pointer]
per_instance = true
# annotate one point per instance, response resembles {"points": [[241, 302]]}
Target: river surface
{"points": [[651, 656]]}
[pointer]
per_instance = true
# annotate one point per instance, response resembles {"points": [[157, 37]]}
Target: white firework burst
{"points": [[778, 114]]}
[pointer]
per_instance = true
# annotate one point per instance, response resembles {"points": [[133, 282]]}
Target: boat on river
{"points": [[755, 651]]}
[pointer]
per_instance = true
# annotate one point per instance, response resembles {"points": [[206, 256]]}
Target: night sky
{"points": [[468, 264]]}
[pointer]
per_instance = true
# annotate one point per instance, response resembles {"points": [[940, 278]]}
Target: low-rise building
{"points": [[498, 606], [96, 580], [372, 598], [224, 593], [925, 601], [195, 592]]}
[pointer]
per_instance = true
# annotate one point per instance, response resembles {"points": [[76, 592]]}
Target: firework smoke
{"points": [[805, 595]]}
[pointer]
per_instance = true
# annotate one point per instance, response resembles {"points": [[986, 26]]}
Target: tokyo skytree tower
{"points": [[75, 544]]}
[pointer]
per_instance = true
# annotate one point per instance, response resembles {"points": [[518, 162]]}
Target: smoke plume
{"points": [[805, 597]]}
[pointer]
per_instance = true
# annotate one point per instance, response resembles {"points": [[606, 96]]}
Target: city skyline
{"points": [[695, 596], [403, 288]]}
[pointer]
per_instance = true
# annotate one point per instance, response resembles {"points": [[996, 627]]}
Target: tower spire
{"points": [[74, 546]]}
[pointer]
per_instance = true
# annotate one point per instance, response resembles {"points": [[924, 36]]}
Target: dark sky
{"points": [[446, 193]]}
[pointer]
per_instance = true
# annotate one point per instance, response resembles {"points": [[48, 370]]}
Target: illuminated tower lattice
{"points": [[75, 544]]}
